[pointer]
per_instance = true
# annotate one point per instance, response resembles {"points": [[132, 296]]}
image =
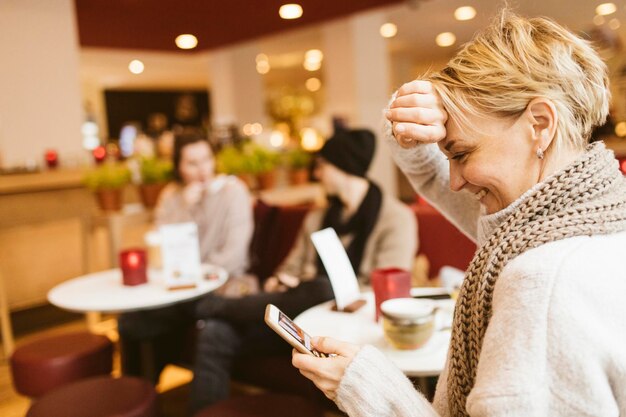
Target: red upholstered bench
{"points": [[45, 364], [440, 241], [98, 397]]}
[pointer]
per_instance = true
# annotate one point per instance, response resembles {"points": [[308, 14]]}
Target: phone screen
{"points": [[297, 333]]}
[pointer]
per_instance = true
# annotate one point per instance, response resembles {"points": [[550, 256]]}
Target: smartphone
{"points": [[288, 330]]}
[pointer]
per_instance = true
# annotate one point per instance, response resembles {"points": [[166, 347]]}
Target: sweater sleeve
{"points": [[373, 387], [428, 172], [233, 253]]}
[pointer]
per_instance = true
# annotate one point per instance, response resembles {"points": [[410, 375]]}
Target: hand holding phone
{"points": [[288, 330]]}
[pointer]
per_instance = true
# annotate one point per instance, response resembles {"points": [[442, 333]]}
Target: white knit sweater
{"points": [[556, 343]]}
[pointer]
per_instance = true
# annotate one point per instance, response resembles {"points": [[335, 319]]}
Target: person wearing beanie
{"points": [[377, 230]]}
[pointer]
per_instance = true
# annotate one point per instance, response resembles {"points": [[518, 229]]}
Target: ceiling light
{"points": [[598, 20], [445, 39], [262, 58], [186, 41], [313, 55], [388, 30], [136, 66], [606, 8], [465, 13], [290, 11], [312, 65], [313, 84], [263, 67], [614, 24], [620, 129]]}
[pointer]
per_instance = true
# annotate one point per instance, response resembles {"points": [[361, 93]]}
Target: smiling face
{"points": [[196, 163], [498, 163]]}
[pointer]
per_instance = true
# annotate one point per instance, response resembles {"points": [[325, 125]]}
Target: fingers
{"points": [[416, 100], [330, 345], [416, 87], [406, 133], [419, 115]]}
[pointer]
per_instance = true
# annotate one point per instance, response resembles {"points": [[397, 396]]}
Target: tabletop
{"points": [[360, 328], [103, 291]]}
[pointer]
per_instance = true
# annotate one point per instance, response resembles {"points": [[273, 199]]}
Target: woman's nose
{"points": [[457, 182]]}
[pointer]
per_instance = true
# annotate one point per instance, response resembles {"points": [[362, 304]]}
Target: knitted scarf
{"points": [[586, 198]]}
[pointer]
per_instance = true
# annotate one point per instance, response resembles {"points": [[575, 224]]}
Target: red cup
{"points": [[133, 264], [390, 283]]}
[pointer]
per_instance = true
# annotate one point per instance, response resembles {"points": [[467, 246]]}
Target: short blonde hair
{"points": [[515, 60]]}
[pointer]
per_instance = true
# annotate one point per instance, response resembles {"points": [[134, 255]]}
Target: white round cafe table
{"points": [[360, 328], [104, 292]]}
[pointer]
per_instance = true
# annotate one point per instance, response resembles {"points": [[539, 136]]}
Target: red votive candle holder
{"points": [[52, 158], [99, 154], [133, 263], [390, 283]]}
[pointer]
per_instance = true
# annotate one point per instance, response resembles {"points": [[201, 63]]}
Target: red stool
{"points": [[44, 364], [262, 405], [100, 396]]}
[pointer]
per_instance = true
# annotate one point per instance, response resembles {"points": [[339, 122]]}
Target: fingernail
{"points": [[388, 114], [399, 129]]}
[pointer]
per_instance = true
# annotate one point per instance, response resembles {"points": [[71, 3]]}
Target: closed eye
{"points": [[458, 156]]}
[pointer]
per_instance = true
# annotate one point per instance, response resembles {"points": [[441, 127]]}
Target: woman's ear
{"points": [[543, 117]]}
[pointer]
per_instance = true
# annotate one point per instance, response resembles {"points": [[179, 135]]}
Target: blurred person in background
{"points": [[377, 230], [221, 207]]}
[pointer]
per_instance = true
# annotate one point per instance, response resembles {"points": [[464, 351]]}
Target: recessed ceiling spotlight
{"points": [[186, 41], [262, 58], [136, 66], [465, 13], [388, 30], [313, 84], [606, 8], [614, 24], [445, 39], [290, 11]]}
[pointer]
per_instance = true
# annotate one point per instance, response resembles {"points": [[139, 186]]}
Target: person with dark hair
{"points": [[221, 207], [377, 231]]}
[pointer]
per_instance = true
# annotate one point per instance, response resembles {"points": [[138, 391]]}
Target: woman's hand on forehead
{"points": [[417, 114]]}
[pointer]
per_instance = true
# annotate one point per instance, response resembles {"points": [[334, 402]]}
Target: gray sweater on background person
{"points": [[224, 218], [392, 243]]}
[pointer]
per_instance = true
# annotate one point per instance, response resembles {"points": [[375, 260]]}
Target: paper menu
{"points": [[180, 255], [335, 259]]}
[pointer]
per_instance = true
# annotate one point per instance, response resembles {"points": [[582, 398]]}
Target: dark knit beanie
{"points": [[350, 150]]}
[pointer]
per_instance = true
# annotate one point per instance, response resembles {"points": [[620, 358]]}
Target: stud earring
{"points": [[539, 153]]}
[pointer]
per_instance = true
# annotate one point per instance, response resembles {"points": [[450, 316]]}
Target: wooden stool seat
{"points": [[100, 396], [48, 363]]}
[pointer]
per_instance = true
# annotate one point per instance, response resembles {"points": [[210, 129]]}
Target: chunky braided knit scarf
{"points": [[586, 198]]}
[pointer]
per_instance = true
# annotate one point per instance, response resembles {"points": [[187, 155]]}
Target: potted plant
{"points": [[262, 163], [107, 181], [298, 161], [230, 161], [155, 174]]}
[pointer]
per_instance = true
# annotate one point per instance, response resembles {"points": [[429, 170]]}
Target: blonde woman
{"points": [[497, 140]]}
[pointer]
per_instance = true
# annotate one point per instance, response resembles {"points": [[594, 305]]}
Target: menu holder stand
{"points": [[180, 256], [350, 308]]}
